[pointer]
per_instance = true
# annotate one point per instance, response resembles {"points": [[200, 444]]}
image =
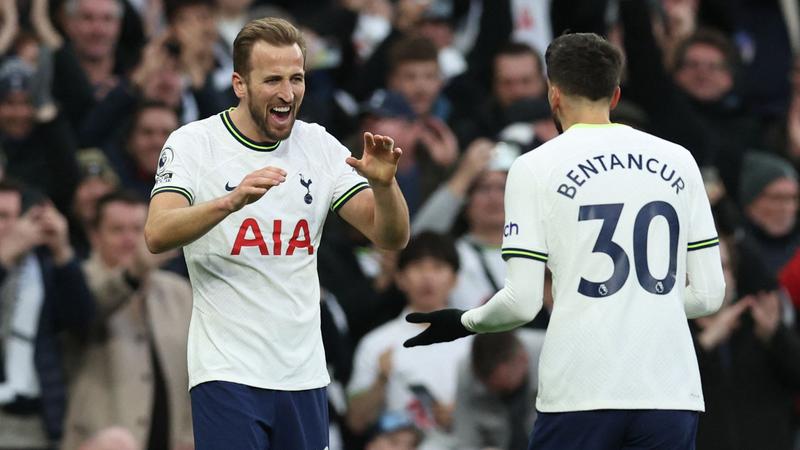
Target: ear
{"points": [[615, 97], [553, 96], [239, 85]]}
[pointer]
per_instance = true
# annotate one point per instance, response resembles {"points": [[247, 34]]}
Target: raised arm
{"points": [[381, 213], [173, 221]]}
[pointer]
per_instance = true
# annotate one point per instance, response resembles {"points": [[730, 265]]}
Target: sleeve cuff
{"points": [[176, 189], [337, 205], [705, 243], [509, 253]]}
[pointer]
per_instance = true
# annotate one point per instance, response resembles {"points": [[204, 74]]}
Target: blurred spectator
{"points": [[42, 293], [414, 74], [496, 396], [38, 144], [93, 27], [132, 368], [205, 60], [419, 381], [232, 15], [421, 168], [97, 179], [769, 196], [517, 75], [436, 25], [135, 159], [394, 431], [697, 104], [749, 358], [113, 438]]}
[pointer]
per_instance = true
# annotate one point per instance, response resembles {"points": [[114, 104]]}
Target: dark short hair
{"points": [[273, 31], [584, 65], [712, 38], [492, 349], [120, 196], [141, 108], [429, 245], [518, 49], [9, 185], [412, 49], [173, 7]]}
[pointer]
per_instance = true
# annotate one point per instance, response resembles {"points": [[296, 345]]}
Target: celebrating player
{"points": [[622, 220], [247, 192]]}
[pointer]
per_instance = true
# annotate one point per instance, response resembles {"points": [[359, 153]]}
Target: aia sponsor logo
{"points": [[250, 234]]}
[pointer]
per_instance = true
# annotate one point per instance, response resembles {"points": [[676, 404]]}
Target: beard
{"points": [[260, 116], [557, 122]]}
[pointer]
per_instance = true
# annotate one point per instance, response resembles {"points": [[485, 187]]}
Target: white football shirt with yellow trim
{"points": [[613, 212], [256, 316]]}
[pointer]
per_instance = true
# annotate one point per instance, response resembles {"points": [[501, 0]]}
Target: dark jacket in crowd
{"points": [[68, 306]]}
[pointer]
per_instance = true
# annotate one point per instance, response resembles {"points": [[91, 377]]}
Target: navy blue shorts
{"points": [[638, 429], [234, 416]]}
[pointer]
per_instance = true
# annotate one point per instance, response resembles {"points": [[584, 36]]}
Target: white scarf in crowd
{"points": [[21, 300]]}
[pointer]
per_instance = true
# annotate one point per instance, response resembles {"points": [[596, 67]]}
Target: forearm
{"points": [[176, 227], [365, 407], [390, 222], [516, 304], [706, 288]]}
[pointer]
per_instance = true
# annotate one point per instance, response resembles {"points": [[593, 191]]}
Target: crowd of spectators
{"points": [[93, 327]]}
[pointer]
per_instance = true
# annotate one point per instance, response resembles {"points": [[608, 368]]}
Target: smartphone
{"points": [[423, 395]]}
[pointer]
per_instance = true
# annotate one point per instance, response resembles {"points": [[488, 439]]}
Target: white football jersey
{"points": [[256, 316], [613, 212]]}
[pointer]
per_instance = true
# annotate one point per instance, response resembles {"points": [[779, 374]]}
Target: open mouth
{"points": [[280, 114]]}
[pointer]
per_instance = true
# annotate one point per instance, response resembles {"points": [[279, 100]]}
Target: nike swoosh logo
{"points": [[229, 188]]}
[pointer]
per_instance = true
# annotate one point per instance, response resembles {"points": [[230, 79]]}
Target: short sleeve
{"points": [[524, 231], [347, 182], [178, 165], [702, 232]]}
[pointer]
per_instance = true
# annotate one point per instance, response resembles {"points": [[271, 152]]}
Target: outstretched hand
{"points": [[445, 326], [378, 164]]}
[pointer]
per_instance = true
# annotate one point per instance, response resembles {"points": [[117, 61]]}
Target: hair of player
{"points": [[412, 49], [273, 31], [429, 245], [584, 65], [124, 196], [712, 38], [492, 349]]}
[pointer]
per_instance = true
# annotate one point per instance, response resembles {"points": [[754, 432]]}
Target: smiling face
{"points": [[274, 88]]}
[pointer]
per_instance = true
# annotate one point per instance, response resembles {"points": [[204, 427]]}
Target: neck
{"points": [[579, 110], [489, 237], [244, 122], [98, 70]]}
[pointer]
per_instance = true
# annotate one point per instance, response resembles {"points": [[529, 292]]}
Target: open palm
{"points": [[378, 164]]}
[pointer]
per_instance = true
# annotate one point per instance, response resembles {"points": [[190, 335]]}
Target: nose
{"points": [[285, 93]]}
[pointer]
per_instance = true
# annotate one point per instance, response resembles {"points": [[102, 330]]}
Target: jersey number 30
{"points": [[610, 214]]}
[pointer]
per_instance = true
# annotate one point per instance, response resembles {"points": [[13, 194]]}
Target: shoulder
{"points": [[194, 133]]}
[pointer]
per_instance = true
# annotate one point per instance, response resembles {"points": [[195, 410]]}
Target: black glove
{"points": [[445, 327]]}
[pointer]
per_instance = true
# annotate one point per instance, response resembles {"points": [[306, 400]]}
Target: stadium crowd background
{"points": [[93, 327]]}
